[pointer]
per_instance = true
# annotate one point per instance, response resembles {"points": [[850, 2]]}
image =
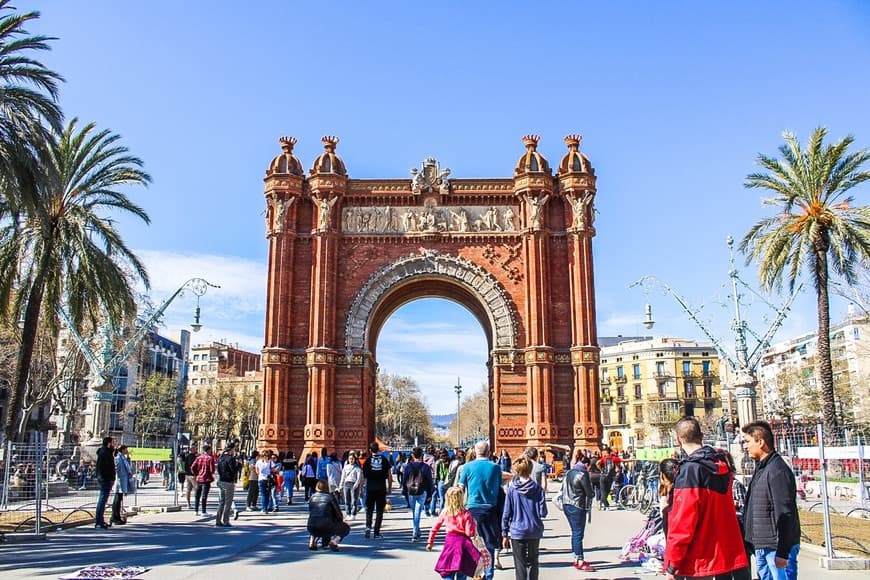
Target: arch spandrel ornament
{"points": [[432, 264]]}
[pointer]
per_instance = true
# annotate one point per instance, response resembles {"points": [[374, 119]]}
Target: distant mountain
{"points": [[442, 421]]}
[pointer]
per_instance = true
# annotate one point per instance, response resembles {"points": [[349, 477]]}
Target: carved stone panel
{"points": [[429, 218]]}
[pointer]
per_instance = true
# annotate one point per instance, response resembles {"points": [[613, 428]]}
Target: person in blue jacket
{"points": [[522, 523]]}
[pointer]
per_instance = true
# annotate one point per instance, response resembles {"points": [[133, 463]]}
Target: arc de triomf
{"points": [[344, 254]]}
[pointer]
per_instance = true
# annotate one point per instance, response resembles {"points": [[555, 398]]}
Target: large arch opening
{"points": [[436, 340]]}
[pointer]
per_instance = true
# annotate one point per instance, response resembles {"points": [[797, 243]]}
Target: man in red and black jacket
{"points": [[704, 538]]}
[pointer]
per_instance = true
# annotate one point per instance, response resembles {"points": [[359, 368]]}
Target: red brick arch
{"points": [[344, 254]]}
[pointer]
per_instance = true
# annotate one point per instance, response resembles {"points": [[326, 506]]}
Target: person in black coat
{"points": [[771, 523], [577, 497], [105, 469], [325, 520]]}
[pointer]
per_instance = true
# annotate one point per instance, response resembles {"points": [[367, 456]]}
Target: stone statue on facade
{"points": [[579, 204], [280, 210], [460, 220], [536, 204], [325, 209], [509, 216]]}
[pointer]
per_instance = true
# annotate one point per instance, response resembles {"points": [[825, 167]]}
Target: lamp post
{"points": [[458, 389]]}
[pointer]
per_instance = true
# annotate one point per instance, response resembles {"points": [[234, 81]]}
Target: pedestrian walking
{"points": [[249, 481], [482, 481], [522, 523], [378, 483], [203, 470], [607, 466], [417, 484], [265, 468], [309, 475], [105, 469], [291, 472], [577, 498], [703, 534], [228, 472], [190, 477], [459, 557], [771, 521]]}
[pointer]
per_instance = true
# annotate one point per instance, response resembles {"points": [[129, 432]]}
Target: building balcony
{"points": [[604, 380], [608, 400], [708, 375], [662, 397], [621, 399], [663, 375], [621, 380]]}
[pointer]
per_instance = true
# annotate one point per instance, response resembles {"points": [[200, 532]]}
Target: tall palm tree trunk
{"points": [[823, 351], [11, 429]]}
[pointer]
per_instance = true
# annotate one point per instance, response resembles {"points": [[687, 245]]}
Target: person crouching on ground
{"points": [[325, 519], [459, 557], [522, 523]]}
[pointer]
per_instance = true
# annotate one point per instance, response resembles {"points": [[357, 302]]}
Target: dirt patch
{"points": [[25, 521], [849, 534]]}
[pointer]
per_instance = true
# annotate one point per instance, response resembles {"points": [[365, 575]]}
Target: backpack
{"points": [[414, 483]]}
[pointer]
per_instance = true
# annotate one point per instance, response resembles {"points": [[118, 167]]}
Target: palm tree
{"points": [[817, 227], [64, 247], [28, 96]]}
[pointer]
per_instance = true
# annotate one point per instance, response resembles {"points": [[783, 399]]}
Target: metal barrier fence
{"points": [[43, 490], [832, 475]]}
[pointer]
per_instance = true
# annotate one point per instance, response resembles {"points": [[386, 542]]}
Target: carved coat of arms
{"points": [[430, 176]]}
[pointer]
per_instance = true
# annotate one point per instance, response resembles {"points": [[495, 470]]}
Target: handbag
{"points": [[485, 557], [559, 500]]}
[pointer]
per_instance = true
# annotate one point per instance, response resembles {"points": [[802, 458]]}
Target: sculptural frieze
{"points": [[428, 219]]}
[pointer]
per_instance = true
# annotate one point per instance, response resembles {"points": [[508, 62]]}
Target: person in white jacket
{"points": [[351, 481], [125, 483]]}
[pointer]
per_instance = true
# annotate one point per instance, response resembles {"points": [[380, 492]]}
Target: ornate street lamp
{"points": [[458, 389]]}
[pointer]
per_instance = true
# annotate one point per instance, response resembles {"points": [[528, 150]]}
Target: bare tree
{"points": [[474, 416], [400, 411]]}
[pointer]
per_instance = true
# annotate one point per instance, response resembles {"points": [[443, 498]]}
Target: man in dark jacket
{"points": [[577, 498], [703, 533], [106, 476], [417, 483], [228, 471], [325, 520], [771, 520]]}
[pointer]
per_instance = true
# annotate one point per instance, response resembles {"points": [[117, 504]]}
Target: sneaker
{"points": [[379, 537], [413, 539], [196, 514], [584, 567], [368, 533], [353, 518], [206, 515], [190, 507]]}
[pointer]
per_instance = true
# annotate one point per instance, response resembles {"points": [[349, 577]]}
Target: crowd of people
{"points": [[487, 504]]}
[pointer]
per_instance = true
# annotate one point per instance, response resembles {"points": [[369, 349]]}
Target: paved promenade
{"points": [[180, 545]]}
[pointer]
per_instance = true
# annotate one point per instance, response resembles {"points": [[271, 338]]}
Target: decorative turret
{"points": [[286, 162], [329, 162], [531, 161], [574, 161]]}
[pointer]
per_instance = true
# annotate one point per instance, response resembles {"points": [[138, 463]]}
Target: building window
{"points": [[635, 369], [687, 368], [660, 368], [708, 389], [620, 392], [638, 394], [621, 415], [689, 387], [196, 357], [196, 367], [705, 366], [193, 381], [856, 333], [620, 372], [663, 389], [604, 373], [638, 413]]}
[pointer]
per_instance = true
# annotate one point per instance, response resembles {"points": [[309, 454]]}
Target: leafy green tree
{"points": [[816, 228], [155, 409], [400, 411], [64, 246]]}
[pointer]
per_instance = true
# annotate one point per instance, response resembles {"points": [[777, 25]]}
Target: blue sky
{"points": [[674, 99]]}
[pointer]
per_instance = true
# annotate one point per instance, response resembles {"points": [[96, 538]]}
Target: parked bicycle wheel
{"points": [[628, 497]]}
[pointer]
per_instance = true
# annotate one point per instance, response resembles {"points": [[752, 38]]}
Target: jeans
{"points": [[226, 490], [289, 484], [767, 570], [577, 520], [265, 496], [455, 576], [351, 499], [417, 502], [201, 493], [102, 500], [489, 529], [526, 565]]}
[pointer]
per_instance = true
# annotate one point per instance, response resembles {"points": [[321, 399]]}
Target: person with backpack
{"points": [[417, 483], [228, 472], [378, 483], [607, 465]]}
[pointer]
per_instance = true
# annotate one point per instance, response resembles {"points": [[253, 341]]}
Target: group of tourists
{"points": [[488, 504]]}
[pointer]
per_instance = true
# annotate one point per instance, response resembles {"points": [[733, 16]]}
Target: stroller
{"points": [[639, 547]]}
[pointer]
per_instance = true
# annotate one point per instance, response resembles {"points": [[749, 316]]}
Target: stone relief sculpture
{"points": [[427, 219], [536, 204]]}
